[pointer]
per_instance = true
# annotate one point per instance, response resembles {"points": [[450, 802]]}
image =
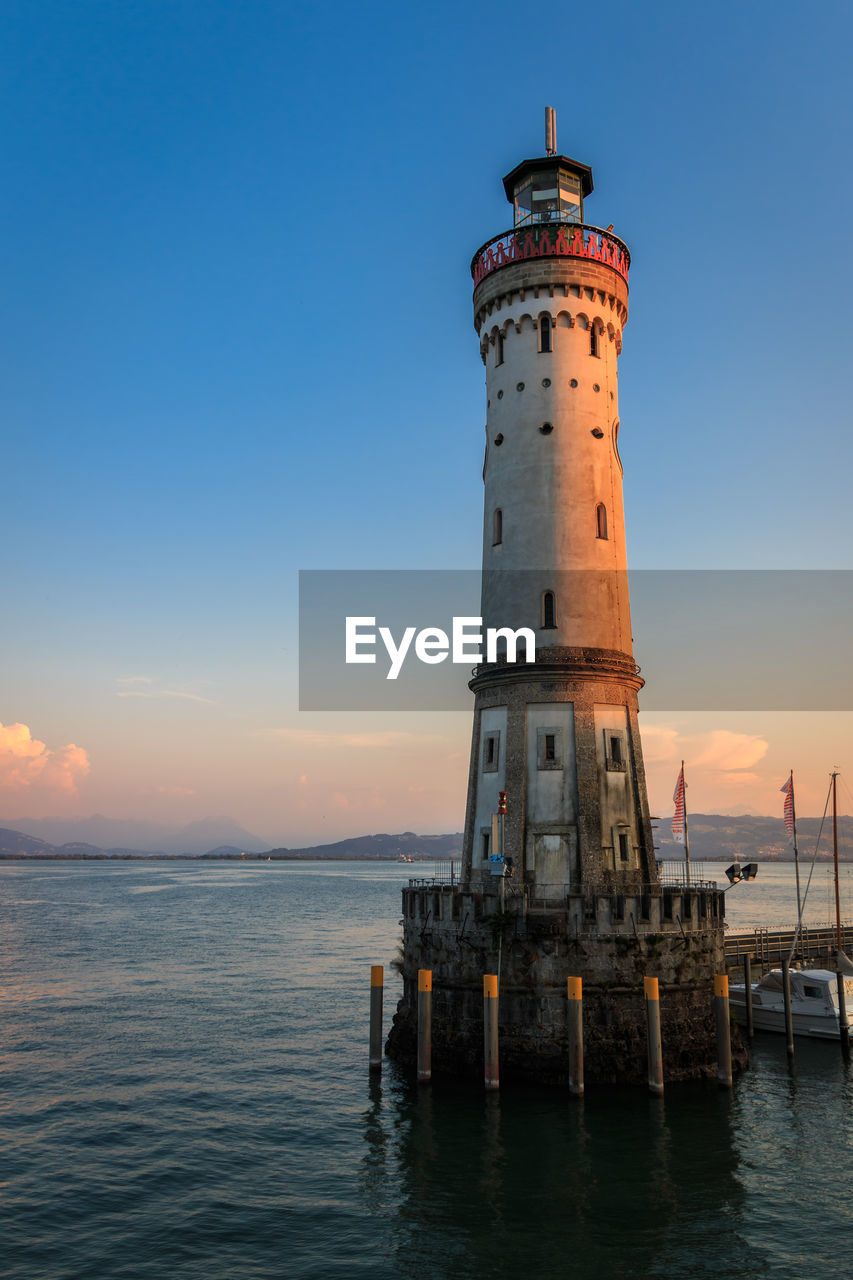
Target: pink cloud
{"points": [[25, 762]]}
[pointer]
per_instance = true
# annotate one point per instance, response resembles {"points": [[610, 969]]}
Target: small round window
{"points": [[500, 395], [519, 386], [546, 428], [546, 382], [574, 382], [499, 439]]}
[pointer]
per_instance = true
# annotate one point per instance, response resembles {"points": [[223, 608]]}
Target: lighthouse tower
{"points": [[559, 736], [559, 879]]}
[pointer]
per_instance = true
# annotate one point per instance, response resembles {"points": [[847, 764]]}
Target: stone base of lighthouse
{"points": [[611, 941]]}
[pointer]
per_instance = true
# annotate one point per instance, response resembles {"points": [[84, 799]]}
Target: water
{"points": [[185, 1095]]}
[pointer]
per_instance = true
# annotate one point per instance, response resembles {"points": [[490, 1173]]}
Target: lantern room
{"points": [[550, 189]]}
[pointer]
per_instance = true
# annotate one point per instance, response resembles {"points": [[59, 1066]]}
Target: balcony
{"points": [[551, 240]]}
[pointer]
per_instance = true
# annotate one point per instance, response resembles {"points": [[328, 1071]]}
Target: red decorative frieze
{"points": [[551, 240]]}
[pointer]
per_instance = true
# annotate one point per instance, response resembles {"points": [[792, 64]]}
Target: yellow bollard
{"points": [[376, 981], [575, 1025], [424, 1025], [650, 988], [490, 1030], [724, 1037]]}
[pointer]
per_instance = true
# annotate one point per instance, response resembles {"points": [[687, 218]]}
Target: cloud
{"points": [[134, 679], [323, 738], [157, 693], [164, 693], [719, 764], [359, 800], [27, 763], [720, 749], [726, 750]]}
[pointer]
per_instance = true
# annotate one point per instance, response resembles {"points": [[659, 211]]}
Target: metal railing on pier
{"points": [[445, 872], [674, 875], [771, 946]]}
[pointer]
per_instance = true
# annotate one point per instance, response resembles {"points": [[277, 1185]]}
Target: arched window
{"points": [[497, 527], [499, 349], [549, 610], [544, 333], [593, 339], [601, 521]]}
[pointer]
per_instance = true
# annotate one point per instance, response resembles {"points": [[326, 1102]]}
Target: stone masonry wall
{"points": [[612, 943]]}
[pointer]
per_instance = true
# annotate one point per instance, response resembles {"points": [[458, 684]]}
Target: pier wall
{"points": [[610, 941]]}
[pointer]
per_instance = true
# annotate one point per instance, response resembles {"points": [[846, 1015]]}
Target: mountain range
{"points": [[745, 836], [712, 837], [108, 834]]}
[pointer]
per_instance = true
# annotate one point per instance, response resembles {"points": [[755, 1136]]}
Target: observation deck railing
{"points": [[551, 240]]}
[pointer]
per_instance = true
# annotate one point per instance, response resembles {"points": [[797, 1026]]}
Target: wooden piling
{"points": [[786, 994], [490, 1030], [575, 1027], [724, 1038], [376, 982], [747, 995], [650, 988], [424, 1025]]}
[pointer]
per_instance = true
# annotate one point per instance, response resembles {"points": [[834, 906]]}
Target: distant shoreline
{"points": [[328, 857]]}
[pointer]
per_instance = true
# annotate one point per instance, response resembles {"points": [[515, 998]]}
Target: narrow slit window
{"points": [[499, 349], [485, 845], [593, 340], [550, 746], [623, 847], [616, 750], [549, 610], [544, 333], [601, 521], [497, 527], [490, 751]]}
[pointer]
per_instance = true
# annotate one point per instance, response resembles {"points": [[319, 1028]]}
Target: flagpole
{"points": [[796, 858], [686, 832]]}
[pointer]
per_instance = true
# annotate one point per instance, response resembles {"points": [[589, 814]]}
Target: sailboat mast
{"points": [[796, 856], [686, 832], [835, 862]]}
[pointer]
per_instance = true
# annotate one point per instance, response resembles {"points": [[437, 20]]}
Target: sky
{"points": [[237, 342]]}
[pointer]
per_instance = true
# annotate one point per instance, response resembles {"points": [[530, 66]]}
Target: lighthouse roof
{"points": [[531, 167]]}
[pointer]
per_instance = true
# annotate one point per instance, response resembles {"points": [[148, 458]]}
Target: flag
{"points": [[788, 790], [678, 816]]}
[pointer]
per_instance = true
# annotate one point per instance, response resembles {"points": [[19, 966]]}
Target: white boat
{"points": [[814, 1003]]}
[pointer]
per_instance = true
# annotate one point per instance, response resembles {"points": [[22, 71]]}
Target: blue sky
{"points": [[237, 342]]}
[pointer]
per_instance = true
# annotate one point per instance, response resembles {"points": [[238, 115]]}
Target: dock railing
{"points": [[771, 946]]}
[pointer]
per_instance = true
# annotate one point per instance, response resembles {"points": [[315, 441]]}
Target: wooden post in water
{"points": [[650, 988], [490, 1030], [376, 981], [575, 1024], [747, 995], [724, 1039], [424, 1025], [786, 995], [843, 1028]]}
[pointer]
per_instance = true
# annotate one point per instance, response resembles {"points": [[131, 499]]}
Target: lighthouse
{"points": [[559, 889], [560, 736]]}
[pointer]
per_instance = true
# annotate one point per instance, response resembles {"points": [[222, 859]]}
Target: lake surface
{"points": [[185, 1095]]}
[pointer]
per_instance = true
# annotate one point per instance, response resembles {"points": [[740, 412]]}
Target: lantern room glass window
{"points": [[550, 196]]}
